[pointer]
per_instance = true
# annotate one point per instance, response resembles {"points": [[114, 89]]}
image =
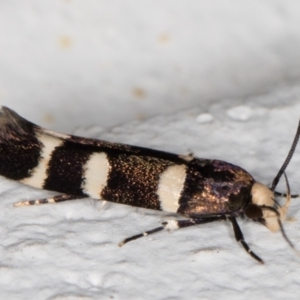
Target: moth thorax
{"points": [[262, 195]]}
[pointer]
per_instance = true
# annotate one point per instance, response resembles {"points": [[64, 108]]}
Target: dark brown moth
{"points": [[200, 190]]}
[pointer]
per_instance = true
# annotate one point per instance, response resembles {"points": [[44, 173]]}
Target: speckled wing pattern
{"points": [[120, 173], [214, 187]]}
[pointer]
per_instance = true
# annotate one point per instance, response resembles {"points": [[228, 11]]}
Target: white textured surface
{"points": [[140, 56], [78, 63]]}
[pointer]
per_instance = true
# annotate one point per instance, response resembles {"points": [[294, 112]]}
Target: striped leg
{"points": [[55, 199], [284, 195], [174, 224], [240, 238]]}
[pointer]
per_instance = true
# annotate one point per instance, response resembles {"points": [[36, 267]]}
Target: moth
{"points": [[200, 190]]}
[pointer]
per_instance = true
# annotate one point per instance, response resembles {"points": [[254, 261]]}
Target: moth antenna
{"points": [[287, 239], [282, 212], [282, 229], [287, 160], [284, 208]]}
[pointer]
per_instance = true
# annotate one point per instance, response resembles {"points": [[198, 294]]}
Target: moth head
{"points": [[265, 209]]}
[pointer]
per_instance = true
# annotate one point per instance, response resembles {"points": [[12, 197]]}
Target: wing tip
{"points": [[13, 126]]}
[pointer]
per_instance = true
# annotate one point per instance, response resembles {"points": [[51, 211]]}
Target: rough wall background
{"points": [[219, 79]]}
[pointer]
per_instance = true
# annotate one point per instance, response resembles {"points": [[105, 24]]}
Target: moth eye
{"points": [[253, 211]]}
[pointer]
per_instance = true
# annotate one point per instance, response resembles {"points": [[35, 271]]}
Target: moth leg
{"points": [[240, 238], [55, 199], [174, 224], [285, 194], [145, 233]]}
